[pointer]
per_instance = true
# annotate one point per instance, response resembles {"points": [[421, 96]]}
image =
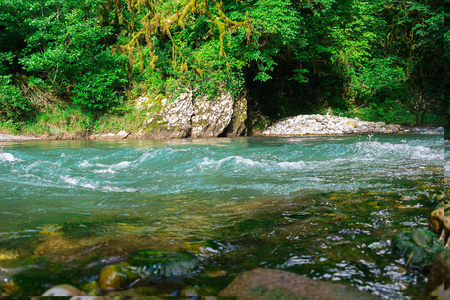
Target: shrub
{"points": [[98, 90], [13, 106]]}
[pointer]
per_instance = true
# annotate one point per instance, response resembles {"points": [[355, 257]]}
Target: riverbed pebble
{"points": [[328, 125], [63, 290]]}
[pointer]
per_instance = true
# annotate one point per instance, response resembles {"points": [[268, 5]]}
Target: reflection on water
{"points": [[324, 207]]}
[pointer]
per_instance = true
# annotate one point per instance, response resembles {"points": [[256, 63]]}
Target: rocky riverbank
{"points": [[188, 116], [328, 125], [17, 138]]}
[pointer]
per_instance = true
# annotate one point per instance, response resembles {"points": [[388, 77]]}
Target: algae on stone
{"points": [[117, 277], [156, 264], [418, 247]]}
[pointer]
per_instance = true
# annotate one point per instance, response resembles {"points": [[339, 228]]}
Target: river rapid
{"points": [[324, 207]]}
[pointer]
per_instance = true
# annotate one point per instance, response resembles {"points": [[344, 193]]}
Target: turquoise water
{"points": [[324, 207]]}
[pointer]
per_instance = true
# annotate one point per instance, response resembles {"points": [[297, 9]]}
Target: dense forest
{"points": [[78, 65]]}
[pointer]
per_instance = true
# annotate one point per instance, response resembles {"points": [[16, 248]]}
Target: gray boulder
{"points": [[173, 120], [193, 117], [237, 126], [211, 116]]}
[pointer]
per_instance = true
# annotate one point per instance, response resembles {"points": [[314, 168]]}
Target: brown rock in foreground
{"points": [[439, 275], [286, 285]]}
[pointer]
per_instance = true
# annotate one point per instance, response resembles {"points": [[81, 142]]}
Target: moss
{"points": [[153, 25], [157, 125], [117, 277]]}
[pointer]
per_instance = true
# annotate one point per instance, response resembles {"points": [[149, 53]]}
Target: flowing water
{"points": [[324, 207]]}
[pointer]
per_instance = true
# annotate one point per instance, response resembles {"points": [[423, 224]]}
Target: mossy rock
{"points": [[9, 287], [118, 277], [157, 264], [418, 247], [92, 288]]}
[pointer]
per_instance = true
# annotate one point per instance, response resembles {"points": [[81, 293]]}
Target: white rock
{"points": [[63, 290]]}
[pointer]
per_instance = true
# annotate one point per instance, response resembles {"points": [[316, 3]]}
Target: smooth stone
{"points": [[144, 291], [117, 276], [215, 273], [63, 290], [439, 275], [189, 291], [285, 285], [90, 298]]}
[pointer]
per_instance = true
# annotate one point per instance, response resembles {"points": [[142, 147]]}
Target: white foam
{"points": [[111, 189], [429, 130], [149, 155], [120, 190], [292, 165], [70, 180], [237, 159], [375, 148], [89, 186], [121, 165], [8, 157], [107, 171], [78, 182], [85, 164]]}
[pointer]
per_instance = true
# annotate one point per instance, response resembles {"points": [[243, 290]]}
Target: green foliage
{"points": [[379, 76], [388, 111], [60, 119], [74, 58], [276, 17], [13, 106], [99, 90], [6, 59], [119, 118], [373, 59]]}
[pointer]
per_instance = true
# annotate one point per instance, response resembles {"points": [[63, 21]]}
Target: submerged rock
{"points": [[418, 247], [146, 265], [188, 291], [8, 287], [328, 124], [286, 285], [118, 276], [92, 289], [168, 265]]}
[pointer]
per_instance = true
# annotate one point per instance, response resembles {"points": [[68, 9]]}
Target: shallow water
{"points": [[324, 207]]}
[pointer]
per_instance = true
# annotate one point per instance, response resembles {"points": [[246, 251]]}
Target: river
{"points": [[324, 207]]}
